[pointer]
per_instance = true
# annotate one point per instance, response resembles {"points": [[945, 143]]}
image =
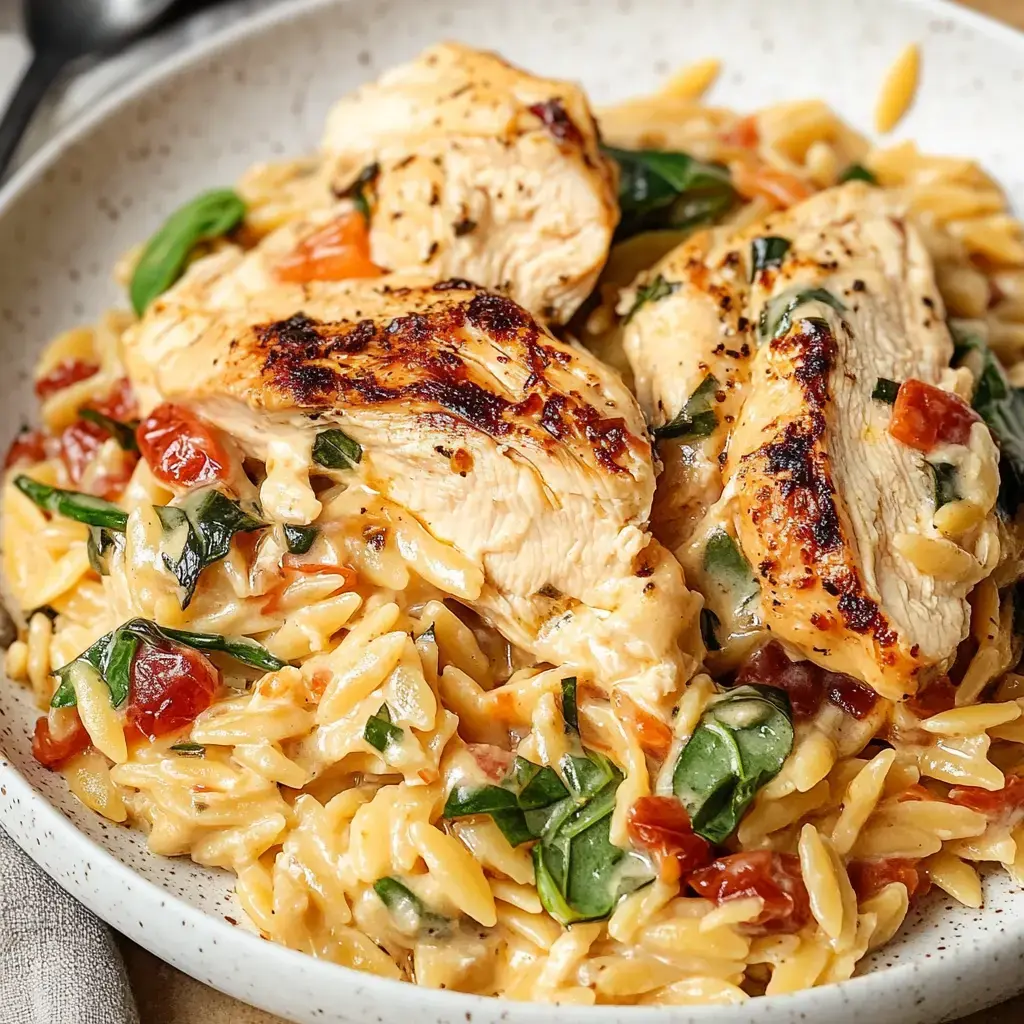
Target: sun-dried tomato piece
{"points": [[654, 736], [997, 803], [869, 877], [181, 449], [170, 686], [938, 696], [924, 416], [339, 251], [661, 826], [28, 446], [52, 750], [62, 376], [775, 877]]}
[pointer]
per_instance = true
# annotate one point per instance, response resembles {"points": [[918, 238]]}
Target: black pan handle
{"points": [[41, 73]]}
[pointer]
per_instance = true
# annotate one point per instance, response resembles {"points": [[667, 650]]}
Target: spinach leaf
{"points": [[527, 788], [946, 489], [777, 316], [767, 251], [299, 539], [409, 912], [83, 508], [1001, 406], [379, 731], [709, 623], [358, 190], [189, 749], [659, 288], [100, 545], [122, 433], [857, 172], [166, 255], [739, 745], [664, 190], [334, 449], [727, 564], [697, 418], [570, 714], [203, 524], [111, 656], [886, 390]]}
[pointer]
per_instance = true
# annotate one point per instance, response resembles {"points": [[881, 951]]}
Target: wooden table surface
{"points": [[166, 996]]}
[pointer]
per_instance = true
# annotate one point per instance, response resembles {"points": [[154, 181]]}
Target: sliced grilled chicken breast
{"points": [[482, 171], [834, 517], [524, 454]]}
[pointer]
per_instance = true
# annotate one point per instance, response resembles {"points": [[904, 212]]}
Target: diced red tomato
{"points": [[807, 684], [872, 876], [924, 416], [170, 686], [52, 750], [494, 762], [654, 735], [181, 449], [916, 792], [775, 877], [28, 446], [79, 444], [744, 133], [995, 804], [62, 376], [338, 251], [660, 825], [938, 696], [120, 404]]}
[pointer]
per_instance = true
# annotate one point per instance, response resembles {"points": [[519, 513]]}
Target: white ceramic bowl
{"points": [[261, 90]]}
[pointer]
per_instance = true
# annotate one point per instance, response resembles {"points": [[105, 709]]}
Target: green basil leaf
{"points": [[542, 789], [654, 290], [379, 731], [660, 190], [166, 255], [1001, 406], [242, 649], [696, 419], [767, 251], [777, 316], [64, 696], [465, 800], [122, 433], [299, 539], [886, 390], [739, 745], [857, 172], [946, 485], [189, 749], [204, 523], [334, 449], [83, 508], [584, 776]]}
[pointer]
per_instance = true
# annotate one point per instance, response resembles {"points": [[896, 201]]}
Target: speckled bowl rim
{"points": [[64, 835]]}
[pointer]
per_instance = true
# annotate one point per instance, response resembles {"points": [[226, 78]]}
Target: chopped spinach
{"points": [[334, 449], [946, 489], [189, 749], [767, 251], [166, 255], [83, 508], [661, 190], [1001, 406], [777, 316], [739, 745], [100, 545], [111, 656], [357, 191], [203, 524], [299, 539], [709, 624], [724, 561], [122, 433], [380, 732], [697, 418], [656, 289], [409, 912], [886, 390], [570, 714], [857, 172]]}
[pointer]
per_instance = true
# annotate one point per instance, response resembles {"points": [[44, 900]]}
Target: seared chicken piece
{"points": [[834, 514], [524, 454], [481, 171]]}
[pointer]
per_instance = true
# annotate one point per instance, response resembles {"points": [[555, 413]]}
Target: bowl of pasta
{"points": [[526, 503]]}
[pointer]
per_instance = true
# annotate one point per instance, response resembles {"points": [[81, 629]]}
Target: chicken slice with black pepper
{"points": [[475, 169], [843, 549], [524, 454]]}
